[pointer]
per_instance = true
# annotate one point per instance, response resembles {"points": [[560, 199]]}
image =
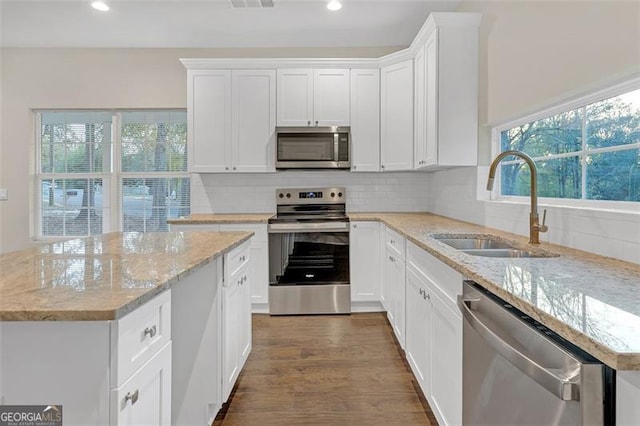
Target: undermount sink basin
{"points": [[488, 246]]}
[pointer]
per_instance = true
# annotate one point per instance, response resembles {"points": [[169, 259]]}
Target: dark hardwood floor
{"points": [[325, 370]]}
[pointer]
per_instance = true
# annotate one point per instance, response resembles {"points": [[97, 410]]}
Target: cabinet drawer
{"points": [[139, 335], [447, 279], [236, 260], [239, 277], [396, 243]]}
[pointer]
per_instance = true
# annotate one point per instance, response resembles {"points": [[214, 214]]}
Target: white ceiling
{"points": [[213, 23]]}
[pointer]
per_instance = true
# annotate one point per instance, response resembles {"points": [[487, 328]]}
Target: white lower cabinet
{"points": [[434, 333], [145, 398], [394, 277], [236, 316], [365, 270], [418, 341]]}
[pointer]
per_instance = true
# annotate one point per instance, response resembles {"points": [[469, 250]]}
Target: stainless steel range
{"points": [[309, 252]]}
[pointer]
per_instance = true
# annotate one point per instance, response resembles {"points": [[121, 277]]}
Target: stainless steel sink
{"points": [[505, 252], [474, 243], [488, 246]]}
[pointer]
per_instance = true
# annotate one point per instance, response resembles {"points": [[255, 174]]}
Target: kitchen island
{"points": [[123, 328]]}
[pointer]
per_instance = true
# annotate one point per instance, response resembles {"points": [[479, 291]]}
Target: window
{"points": [[589, 150], [101, 171]]}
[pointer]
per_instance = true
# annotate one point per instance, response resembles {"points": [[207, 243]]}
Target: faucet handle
{"points": [[543, 227]]}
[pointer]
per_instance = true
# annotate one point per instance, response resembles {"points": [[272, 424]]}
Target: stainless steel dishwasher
{"points": [[518, 372]]}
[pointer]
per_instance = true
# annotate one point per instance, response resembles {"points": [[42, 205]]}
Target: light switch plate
{"points": [[4, 194]]}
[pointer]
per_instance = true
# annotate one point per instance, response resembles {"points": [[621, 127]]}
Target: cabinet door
{"points": [[365, 120], [244, 317], [254, 120], [419, 152], [230, 336], [431, 105], [145, 398], [295, 97], [395, 276], [446, 362], [331, 97], [396, 117], [364, 255], [209, 119], [418, 328]]}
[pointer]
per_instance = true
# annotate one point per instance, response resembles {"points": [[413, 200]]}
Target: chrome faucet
{"points": [[534, 223]]}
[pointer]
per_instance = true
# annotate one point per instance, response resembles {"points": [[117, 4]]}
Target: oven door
{"points": [[309, 268]]}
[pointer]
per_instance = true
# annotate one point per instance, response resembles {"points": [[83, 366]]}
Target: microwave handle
{"points": [[336, 146]]}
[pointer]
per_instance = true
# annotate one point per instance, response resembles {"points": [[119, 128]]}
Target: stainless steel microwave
{"points": [[313, 148]]}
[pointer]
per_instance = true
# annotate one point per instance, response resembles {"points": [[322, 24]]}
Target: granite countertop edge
{"points": [[126, 307]]}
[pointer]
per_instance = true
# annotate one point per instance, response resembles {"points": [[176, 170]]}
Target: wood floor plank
{"points": [[325, 370]]}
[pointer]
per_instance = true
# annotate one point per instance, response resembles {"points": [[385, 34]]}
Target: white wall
{"points": [[255, 193], [534, 54], [92, 78]]}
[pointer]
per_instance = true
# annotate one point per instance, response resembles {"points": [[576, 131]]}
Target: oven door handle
{"points": [[281, 228]]}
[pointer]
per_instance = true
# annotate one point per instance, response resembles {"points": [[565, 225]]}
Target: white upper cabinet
{"points": [[396, 116], [446, 89], [365, 120], [209, 120], [313, 97], [253, 119], [231, 120]]}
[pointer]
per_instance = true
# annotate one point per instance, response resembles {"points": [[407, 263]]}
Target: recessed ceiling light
{"points": [[100, 5], [334, 5]]}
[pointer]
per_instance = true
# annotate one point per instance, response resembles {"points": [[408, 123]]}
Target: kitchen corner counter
{"points": [[102, 277], [592, 301], [213, 218]]}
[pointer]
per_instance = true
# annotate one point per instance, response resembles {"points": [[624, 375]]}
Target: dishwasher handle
{"points": [[567, 389]]}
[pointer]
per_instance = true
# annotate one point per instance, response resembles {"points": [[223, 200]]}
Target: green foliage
{"points": [[609, 175]]}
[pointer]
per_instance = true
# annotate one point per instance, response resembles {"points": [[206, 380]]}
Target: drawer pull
{"points": [[151, 331], [133, 397]]}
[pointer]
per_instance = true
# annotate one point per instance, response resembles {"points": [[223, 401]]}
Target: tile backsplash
{"points": [[255, 192]]}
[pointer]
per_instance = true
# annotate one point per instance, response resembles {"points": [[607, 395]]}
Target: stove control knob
{"points": [[281, 195], [288, 195], [339, 194], [333, 194]]}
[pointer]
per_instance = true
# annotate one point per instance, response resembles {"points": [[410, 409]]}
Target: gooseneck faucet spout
{"points": [[534, 223]]}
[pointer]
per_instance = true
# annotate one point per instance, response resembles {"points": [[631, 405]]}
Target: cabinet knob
{"points": [[133, 397], [355, 226], [355, 167], [316, 123], [226, 168], [308, 122], [382, 166], [234, 167], [391, 259], [151, 331]]}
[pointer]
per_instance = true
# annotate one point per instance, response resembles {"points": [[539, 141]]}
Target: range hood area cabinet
{"points": [[446, 91], [231, 119], [313, 97]]}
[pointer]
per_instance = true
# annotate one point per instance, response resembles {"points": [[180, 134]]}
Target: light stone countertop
{"points": [[220, 218], [592, 301], [102, 277]]}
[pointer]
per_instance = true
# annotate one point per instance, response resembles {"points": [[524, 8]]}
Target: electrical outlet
{"points": [[4, 194]]}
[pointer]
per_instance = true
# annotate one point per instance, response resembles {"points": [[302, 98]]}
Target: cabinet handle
{"points": [[226, 168], [391, 259], [234, 167], [133, 397], [316, 123], [355, 226], [308, 122], [382, 166], [392, 242], [355, 167], [151, 331], [426, 296]]}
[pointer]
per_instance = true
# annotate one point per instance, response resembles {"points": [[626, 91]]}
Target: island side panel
{"points": [[196, 322], [58, 362]]}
